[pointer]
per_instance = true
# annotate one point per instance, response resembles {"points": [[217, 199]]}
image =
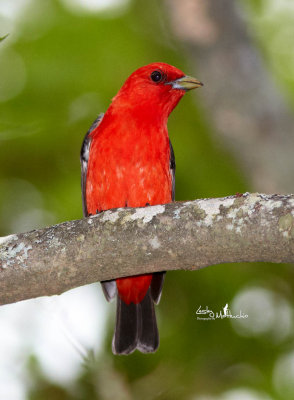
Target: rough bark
{"points": [[242, 100], [183, 235]]}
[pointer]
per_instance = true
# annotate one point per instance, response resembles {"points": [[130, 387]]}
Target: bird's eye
{"points": [[156, 76]]}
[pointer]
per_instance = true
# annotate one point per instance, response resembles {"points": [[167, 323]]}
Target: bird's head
{"points": [[154, 89]]}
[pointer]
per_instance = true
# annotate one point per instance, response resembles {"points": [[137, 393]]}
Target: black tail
{"points": [[136, 327]]}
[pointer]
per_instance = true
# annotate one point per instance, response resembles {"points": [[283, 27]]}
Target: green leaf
{"points": [[3, 37]]}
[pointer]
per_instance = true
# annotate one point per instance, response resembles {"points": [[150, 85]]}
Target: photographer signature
{"points": [[207, 314]]}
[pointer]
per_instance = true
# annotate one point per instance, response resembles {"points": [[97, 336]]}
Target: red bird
{"points": [[127, 160]]}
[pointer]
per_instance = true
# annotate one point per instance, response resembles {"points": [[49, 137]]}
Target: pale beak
{"points": [[185, 83]]}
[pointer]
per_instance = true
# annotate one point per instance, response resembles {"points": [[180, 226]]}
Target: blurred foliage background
{"points": [[60, 66]]}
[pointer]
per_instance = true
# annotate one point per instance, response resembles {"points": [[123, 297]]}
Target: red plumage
{"points": [[128, 164]]}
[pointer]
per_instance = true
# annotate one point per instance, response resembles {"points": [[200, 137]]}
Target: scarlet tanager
{"points": [[127, 160]]}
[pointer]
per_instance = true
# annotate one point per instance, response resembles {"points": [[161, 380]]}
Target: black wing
{"points": [[172, 167], [158, 277], [84, 158]]}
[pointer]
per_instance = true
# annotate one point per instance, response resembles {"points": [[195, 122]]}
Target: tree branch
{"points": [[182, 235]]}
